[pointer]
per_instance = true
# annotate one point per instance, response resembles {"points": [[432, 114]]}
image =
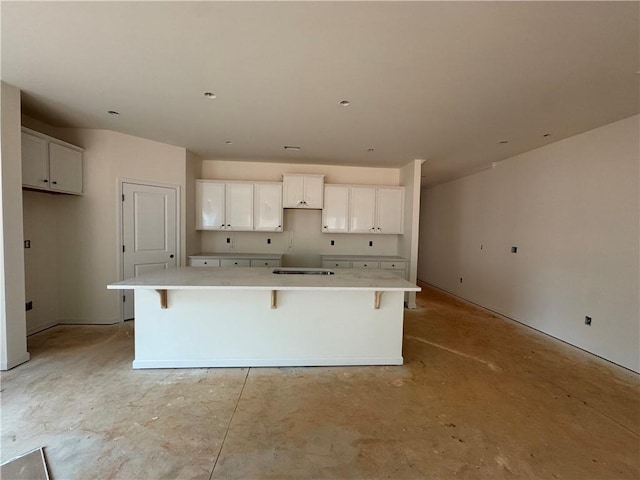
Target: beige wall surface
{"points": [[302, 241], [86, 232], [13, 340], [40, 214], [572, 209]]}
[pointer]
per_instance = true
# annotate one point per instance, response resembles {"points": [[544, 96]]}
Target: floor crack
{"points": [[229, 425]]}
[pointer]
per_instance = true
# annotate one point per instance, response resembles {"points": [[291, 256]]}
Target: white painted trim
{"points": [[84, 321], [120, 181], [15, 362], [40, 328], [268, 362]]}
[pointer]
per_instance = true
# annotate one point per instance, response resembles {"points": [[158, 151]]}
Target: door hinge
{"points": [[122, 248], [123, 197], [124, 298]]}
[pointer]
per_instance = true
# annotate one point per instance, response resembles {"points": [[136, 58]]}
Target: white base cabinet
{"points": [[50, 164], [397, 265], [236, 260]]}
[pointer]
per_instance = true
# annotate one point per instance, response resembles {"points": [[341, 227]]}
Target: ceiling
{"points": [[442, 81]]}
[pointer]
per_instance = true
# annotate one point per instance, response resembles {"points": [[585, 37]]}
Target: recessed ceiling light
{"points": [[345, 103], [504, 141], [228, 142], [113, 112], [209, 94], [292, 148]]}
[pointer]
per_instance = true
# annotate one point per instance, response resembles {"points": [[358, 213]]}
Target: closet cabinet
{"points": [[50, 164], [224, 205], [302, 190]]}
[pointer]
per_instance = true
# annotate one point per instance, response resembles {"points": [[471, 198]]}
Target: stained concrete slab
{"points": [[479, 396]]}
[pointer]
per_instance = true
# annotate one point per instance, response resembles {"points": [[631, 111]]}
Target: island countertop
{"points": [[263, 278]]}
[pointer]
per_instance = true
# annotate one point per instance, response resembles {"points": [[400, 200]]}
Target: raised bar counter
{"points": [[238, 317]]}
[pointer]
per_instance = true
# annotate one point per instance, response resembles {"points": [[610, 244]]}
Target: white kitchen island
{"points": [[244, 317]]}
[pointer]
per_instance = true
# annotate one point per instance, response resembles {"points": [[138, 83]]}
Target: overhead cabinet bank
{"points": [[238, 206], [363, 209], [50, 164]]}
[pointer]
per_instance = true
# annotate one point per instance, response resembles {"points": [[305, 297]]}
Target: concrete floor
{"points": [[478, 397]]}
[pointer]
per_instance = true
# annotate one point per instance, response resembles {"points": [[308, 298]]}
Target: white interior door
{"points": [[149, 233]]}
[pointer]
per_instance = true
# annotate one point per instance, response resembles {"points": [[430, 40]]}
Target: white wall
{"points": [[572, 209], [13, 339], [302, 242], [408, 247], [193, 236]]}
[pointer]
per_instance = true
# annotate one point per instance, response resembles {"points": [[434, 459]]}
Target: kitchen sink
{"points": [[303, 271]]}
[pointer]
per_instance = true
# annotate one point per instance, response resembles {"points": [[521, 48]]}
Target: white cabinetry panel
{"points": [[49, 164], [363, 210], [302, 191], [335, 214], [389, 210], [35, 168], [267, 209], [239, 206], [210, 209]]}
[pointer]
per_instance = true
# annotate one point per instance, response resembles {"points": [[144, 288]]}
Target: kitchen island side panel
{"points": [[238, 328]]}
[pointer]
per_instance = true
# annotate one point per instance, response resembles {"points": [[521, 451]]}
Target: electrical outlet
{"points": [[514, 249], [371, 243], [460, 279], [333, 242], [587, 321], [268, 241], [228, 239], [27, 244]]}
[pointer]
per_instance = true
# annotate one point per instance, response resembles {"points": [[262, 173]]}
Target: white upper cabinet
{"points": [[363, 210], [376, 210], [389, 210], [302, 191], [224, 205], [65, 169], [239, 206], [49, 164], [210, 201], [335, 214], [267, 207]]}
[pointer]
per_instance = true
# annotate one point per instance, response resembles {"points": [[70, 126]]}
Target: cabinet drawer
{"points": [[336, 264], [393, 265], [365, 264], [204, 262], [264, 263], [235, 262]]}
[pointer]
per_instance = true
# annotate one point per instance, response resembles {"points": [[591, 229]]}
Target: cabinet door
{"points": [[362, 210], [210, 205], [389, 210], [65, 169], [35, 172], [335, 212], [239, 206], [292, 191], [313, 191], [267, 207]]}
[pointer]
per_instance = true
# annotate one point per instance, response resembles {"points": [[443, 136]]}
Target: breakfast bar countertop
{"points": [[263, 278]]}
